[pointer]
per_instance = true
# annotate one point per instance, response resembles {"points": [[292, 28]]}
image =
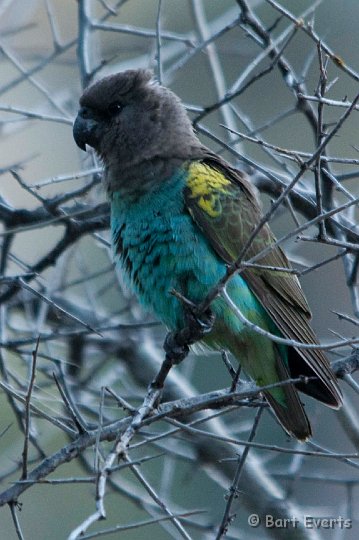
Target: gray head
{"points": [[135, 126]]}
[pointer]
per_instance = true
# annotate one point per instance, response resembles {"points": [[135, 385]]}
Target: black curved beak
{"points": [[84, 129], [79, 133]]}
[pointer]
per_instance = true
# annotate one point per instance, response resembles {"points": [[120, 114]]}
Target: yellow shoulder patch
{"points": [[207, 185]]}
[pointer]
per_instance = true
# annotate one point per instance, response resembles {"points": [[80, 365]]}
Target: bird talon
{"points": [[199, 326]]}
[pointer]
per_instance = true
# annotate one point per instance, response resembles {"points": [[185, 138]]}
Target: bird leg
{"points": [[177, 344], [197, 325]]}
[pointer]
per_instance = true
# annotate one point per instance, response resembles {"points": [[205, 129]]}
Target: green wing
{"points": [[222, 203]]}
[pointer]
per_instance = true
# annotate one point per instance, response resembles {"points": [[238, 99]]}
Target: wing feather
{"points": [[223, 203]]}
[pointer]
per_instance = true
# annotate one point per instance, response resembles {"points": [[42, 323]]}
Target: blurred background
{"points": [[58, 282]]}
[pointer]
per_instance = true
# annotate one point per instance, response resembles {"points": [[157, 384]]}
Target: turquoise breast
{"points": [[159, 248]]}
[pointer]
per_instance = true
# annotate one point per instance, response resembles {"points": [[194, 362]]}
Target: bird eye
{"points": [[115, 108]]}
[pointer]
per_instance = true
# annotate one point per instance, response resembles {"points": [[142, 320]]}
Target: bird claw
{"points": [[199, 326], [177, 344]]}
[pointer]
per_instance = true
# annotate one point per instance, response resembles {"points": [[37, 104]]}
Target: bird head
{"points": [[132, 121]]}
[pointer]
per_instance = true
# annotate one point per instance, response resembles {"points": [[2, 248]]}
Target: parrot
{"points": [[180, 215]]}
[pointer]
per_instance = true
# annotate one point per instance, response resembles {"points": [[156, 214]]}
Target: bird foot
{"points": [[198, 326], [177, 344]]}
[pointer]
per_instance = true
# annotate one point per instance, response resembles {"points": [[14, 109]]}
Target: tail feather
{"points": [[262, 361], [291, 414], [324, 388]]}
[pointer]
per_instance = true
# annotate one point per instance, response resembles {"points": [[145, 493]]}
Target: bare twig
{"points": [[27, 412]]}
